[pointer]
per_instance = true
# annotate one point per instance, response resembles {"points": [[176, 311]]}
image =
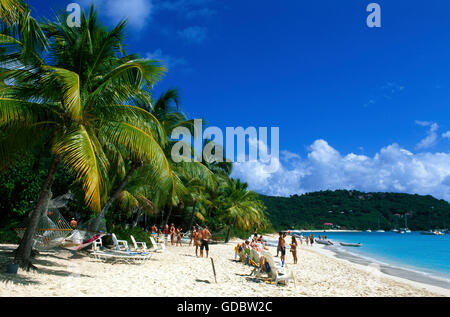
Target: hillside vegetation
{"points": [[357, 210]]}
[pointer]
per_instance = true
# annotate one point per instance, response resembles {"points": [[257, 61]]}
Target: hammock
{"points": [[53, 231]]}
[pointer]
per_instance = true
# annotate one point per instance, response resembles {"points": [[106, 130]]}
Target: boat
{"points": [[380, 231], [325, 242], [432, 232], [345, 244], [369, 230], [394, 230]]}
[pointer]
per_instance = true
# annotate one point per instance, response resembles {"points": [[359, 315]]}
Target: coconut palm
{"points": [[81, 99], [239, 206], [10, 10]]}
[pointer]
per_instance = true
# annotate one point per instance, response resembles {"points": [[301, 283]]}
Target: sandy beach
{"points": [[178, 273]]}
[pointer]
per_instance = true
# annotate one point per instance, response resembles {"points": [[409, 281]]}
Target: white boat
{"points": [[380, 231], [369, 230], [432, 232], [325, 242], [350, 244], [394, 230]]}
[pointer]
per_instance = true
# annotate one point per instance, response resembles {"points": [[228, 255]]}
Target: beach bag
{"points": [[267, 267]]}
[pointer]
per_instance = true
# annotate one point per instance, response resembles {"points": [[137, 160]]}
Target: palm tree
{"points": [[81, 99], [240, 207], [10, 10]]}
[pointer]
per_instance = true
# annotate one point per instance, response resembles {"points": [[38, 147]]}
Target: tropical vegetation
{"points": [[77, 114]]}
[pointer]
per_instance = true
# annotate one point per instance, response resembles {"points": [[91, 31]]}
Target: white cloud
{"points": [[137, 12], [392, 169], [193, 34], [446, 135], [431, 137], [170, 61]]}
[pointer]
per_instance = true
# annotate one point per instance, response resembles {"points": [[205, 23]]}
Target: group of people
{"points": [[199, 237], [281, 248]]}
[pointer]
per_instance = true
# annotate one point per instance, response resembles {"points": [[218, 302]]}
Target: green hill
{"points": [[357, 210]]}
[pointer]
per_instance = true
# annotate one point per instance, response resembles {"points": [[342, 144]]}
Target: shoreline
{"points": [[415, 278], [405, 275], [177, 272]]}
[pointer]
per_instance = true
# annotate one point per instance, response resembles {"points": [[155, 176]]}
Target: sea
{"points": [[414, 256]]}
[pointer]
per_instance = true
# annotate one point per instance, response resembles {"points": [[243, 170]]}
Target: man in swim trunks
{"points": [[283, 248], [279, 243], [206, 235]]}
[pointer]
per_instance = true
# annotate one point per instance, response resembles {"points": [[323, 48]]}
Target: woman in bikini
{"points": [[179, 237], [294, 245]]}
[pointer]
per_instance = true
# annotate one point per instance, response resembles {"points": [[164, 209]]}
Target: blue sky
{"points": [[357, 107]]}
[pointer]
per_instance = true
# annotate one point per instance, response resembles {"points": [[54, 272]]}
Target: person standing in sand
{"points": [[166, 231], [193, 231], [294, 245], [283, 248], [197, 237], [179, 237], [279, 243], [206, 235], [172, 234]]}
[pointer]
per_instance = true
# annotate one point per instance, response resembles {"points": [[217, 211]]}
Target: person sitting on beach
{"points": [[293, 245], [73, 223], [179, 237], [260, 239], [206, 235]]}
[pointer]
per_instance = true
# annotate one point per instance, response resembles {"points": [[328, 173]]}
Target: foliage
{"points": [[357, 210]]}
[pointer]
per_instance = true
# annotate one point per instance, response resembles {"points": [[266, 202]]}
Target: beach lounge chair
{"points": [[121, 245], [279, 274], [156, 246], [142, 247], [117, 256]]}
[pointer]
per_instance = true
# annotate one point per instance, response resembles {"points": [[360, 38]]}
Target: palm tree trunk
{"points": [[96, 224], [230, 226], [168, 216], [138, 216], [192, 215], [23, 252]]}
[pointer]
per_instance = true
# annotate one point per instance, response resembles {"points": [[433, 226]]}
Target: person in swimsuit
{"points": [[179, 237], [172, 234], [166, 231], [197, 237], [192, 236], [206, 235], [294, 245], [283, 248], [279, 243]]}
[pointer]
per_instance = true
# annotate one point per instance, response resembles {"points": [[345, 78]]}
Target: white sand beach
{"points": [[178, 273]]}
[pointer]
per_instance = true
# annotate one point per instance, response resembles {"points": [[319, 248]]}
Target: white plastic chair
{"points": [[121, 245], [157, 246], [279, 273], [143, 246]]}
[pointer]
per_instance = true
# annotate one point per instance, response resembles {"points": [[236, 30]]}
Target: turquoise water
{"points": [[429, 254]]}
